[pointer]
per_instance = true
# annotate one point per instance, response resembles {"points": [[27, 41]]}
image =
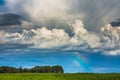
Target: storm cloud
{"points": [[66, 25], [9, 19]]}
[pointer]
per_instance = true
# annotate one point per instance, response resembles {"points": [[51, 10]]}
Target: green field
{"points": [[48, 76]]}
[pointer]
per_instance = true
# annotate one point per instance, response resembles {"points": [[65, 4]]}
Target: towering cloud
{"points": [[44, 38], [82, 39], [84, 18]]}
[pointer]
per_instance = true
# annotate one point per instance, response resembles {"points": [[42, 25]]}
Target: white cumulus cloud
{"points": [[82, 39]]}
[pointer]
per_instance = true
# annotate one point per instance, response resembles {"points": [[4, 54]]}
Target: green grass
{"points": [[35, 76]]}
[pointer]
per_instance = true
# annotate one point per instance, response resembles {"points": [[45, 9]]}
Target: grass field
{"points": [[35, 76]]}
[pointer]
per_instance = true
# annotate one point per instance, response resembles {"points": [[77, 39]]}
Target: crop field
{"points": [[57, 76]]}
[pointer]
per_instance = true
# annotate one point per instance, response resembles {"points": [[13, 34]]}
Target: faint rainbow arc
{"points": [[82, 62]]}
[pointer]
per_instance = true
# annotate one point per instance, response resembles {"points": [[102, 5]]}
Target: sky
{"points": [[81, 35]]}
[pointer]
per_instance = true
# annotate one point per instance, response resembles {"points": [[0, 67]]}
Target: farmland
{"points": [[58, 76]]}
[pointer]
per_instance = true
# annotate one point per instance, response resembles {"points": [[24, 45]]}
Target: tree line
{"points": [[35, 69]]}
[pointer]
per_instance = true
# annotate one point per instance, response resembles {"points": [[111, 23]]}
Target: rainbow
{"points": [[83, 63]]}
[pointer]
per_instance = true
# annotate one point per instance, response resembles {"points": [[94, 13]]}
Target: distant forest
{"points": [[35, 69]]}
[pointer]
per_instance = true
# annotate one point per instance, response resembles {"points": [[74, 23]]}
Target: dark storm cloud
{"points": [[116, 23], [11, 22], [9, 19]]}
